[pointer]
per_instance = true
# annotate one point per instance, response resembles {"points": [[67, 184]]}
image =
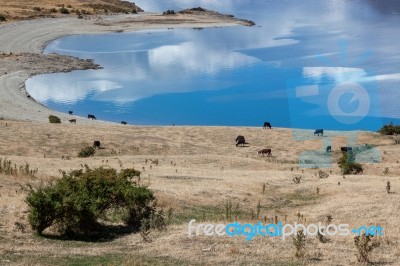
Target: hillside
{"points": [[199, 171], [29, 9]]}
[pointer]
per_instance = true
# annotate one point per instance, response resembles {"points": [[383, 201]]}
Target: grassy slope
{"points": [[27, 9], [200, 169]]}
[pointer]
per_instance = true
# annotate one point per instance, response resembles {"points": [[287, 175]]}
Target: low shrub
{"points": [[63, 10], [169, 12], [86, 152], [79, 203], [54, 119], [348, 165], [390, 129], [2, 18]]}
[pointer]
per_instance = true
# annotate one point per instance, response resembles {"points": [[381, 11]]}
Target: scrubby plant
{"points": [[348, 165], [53, 10], [388, 187], [78, 201], [390, 129], [86, 152], [54, 119], [169, 12], [299, 242], [2, 18], [364, 245], [64, 10]]}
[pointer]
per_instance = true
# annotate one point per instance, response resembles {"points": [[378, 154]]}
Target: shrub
{"points": [[63, 10], [299, 242], [37, 9], [86, 152], [348, 165], [390, 129], [78, 201], [364, 245], [2, 18], [54, 119], [169, 12], [53, 10]]}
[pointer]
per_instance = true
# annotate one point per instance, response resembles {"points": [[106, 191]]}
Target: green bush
{"points": [[63, 10], [78, 201], [2, 18], [390, 130], [54, 119], [86, 152], [348, 165]]}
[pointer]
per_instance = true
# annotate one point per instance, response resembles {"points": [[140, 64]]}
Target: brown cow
{"points": [[265, 151], [72, 121]]}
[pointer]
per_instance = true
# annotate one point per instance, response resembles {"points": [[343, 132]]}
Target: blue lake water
{"points": [[306, 64]]}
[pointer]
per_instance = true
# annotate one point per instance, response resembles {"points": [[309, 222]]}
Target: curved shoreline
{"points": [[24, 41]]}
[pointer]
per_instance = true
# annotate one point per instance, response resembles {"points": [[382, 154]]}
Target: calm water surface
{"points": [[307, 64]]}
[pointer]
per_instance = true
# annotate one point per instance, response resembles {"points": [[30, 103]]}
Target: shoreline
{"points": [[23, 43]]}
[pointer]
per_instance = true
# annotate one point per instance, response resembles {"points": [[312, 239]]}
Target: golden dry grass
{"points": [[28, 9], [199, 170]]}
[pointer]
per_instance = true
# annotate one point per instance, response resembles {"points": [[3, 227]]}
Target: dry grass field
{"points": [[199, 171], [28, 9]]}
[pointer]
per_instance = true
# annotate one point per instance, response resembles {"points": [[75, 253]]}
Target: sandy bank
{"points": [[33, 35]]}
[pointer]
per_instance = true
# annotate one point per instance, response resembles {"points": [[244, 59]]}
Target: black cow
{"points": [[71, 112], [123, 123], [96, 144], [267, 125], [346, 149], [240, 141], [328, 148], [89, 116], [319, 131]]}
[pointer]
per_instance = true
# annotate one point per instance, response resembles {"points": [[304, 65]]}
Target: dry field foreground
{"points": [[199, 170]]}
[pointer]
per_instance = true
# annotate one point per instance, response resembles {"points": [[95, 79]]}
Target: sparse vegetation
{"points": [[388, 187], [169, 12], [76, 202], [64, 10], [54, 119], [2, 18], [8, 168]]}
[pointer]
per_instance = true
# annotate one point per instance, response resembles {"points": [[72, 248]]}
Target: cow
{"points": [[72, 121], [96, 144], [70, 112], [265, 151], [89, 116], [346, 149], [267, 125], [328, 148], [123, 123], [240, 140], [319, 131]]}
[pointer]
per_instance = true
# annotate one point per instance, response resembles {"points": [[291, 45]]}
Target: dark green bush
{"points": [[86, 152], [78, 201], [390, 130], [63, 10], [54, 119], [2, 18], [348, 165]]}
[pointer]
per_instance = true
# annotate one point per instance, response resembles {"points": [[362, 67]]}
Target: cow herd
{"points": [[241, 141], [89, 116]]}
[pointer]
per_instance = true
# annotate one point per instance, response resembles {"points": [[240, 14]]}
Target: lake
{"points": [[306, 64]]}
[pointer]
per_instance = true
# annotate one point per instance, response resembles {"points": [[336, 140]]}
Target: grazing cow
{"points": [[267, 125], [265, 151], [72, 121], [123, 123], [70, 112], [89, 116], [319, 131], [240, 140], [96, 144], [328, 148], [346, 149]]}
